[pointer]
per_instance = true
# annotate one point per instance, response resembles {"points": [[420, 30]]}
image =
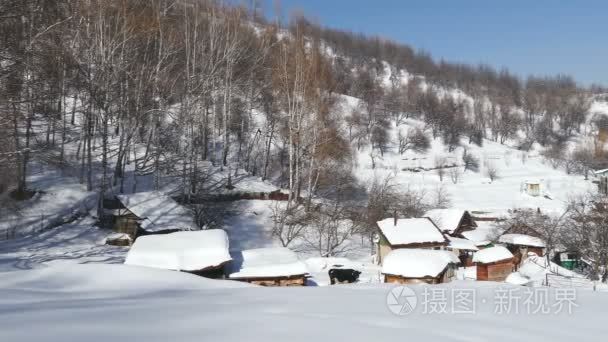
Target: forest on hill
{"points": [[167, 85]]}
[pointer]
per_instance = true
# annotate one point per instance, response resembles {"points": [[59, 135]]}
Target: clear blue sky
{"points": [[527, 36]]}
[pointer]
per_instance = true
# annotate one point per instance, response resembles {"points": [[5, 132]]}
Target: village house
{"points": [[145, 213], [452, 222], [408, 233], [275, 266], [417, 266], [201, 252], [522, 244], [493, 263]]}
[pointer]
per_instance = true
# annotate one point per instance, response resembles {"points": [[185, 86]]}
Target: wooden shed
{"points": [[533, 187], [452, 222], [418, 266], [493, 264], [144, 213], [276, 266], [419, 233], [202, 252], [522, 244]]}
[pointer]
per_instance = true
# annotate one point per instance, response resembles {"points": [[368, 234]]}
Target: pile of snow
{"points": [[119, 236], [410, 231], [119, 303], [446, 219], [522, 240], [265, 262], [158, 211], [181, 251], [417, 263], [464, 244], [517, 278], [492, 254]]}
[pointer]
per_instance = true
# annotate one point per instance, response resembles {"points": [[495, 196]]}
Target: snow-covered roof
{"points": [[492, 254], [266, 262], [158, 211], [522, 240], [599, 172], [410, 231], [464, 244], [532, 181], [417, 263], [482, 234], [446, 219], [187, 251]]}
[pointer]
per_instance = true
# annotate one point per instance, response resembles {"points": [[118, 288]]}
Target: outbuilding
{"points": [[452, 222], [149, 212], [532, 187], [202, 252], [275, 266], [420, 233], [493, 264], [522, 244], [416, 266]]}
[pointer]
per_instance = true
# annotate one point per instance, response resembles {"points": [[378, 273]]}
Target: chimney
{"points": [[395, 217]]}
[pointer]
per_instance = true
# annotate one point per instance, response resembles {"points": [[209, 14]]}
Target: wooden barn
{"points": [[419, 266], [420, 233], [267, 267], [452, 222], [201, 252], [145, 213], [493, 264], [522, 244]]}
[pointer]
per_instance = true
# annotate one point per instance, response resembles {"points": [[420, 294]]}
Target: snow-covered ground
{"points": [[59, 197], [474, 191], [124, 303], [76, 243]]}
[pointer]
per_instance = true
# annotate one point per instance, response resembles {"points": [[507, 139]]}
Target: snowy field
{"points": [[125, 303], [75, 243], [474, 191]]}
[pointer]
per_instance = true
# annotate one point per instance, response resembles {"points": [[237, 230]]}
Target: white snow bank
{"points": [[410, 231], [464, 244], [119, 236], [158, 211], [521, 239], [417, 263], [492, 254], [517, 278], [185, 251], [266, 262], [116, 305], [446, 219], [105, 277]]}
